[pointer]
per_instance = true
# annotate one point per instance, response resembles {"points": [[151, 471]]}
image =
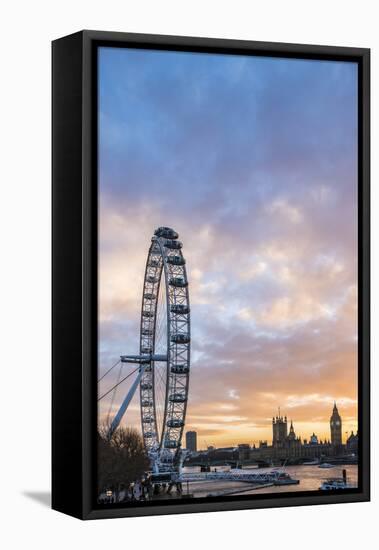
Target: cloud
{"points": [[286, 210], [233, 394], [294, 401]]}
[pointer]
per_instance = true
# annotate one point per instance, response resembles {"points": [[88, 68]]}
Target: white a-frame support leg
{"points": [[129, 396]]}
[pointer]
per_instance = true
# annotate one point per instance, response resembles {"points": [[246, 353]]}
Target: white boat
{"points": [[335, 483], [311, 463], [326, 465]]}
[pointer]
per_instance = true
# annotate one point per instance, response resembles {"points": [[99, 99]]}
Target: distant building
{"points": [[352, 443], [243, 451], [191, 441], [281, 439], [313, 440], [279, 431], [336, 427]]}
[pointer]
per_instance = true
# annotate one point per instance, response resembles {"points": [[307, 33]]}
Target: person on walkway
{"points": [[137, 490]]}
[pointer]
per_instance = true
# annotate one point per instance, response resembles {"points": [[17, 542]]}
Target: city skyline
{"points": [[203, 445], [253, 161]]}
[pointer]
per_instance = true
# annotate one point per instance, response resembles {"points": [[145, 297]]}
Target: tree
{"points": [[121, 459]]}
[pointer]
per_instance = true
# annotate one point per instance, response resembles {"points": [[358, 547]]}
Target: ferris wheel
{"points": [[164, 358]]}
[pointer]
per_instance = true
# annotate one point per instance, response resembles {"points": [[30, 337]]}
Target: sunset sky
{"points": [[253, 161]]}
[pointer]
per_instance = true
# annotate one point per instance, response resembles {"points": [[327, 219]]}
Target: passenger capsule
{"points": [[146, 386], [177, 398], [175, 423], [147, 403], [179, 282], [152, 279], [147, 313], [171, 443], [153, 263], [149, 296], [146, 349], [175, 260], [180, 338], [150, 434], [173, 245], [179, 309], [166, 232], [148, 419], [179, 369]]}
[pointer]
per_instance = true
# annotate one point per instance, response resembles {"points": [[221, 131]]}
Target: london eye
{"points": [[164, 352]]}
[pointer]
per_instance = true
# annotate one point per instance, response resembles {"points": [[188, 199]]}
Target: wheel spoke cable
{"points": [[121, 381], [109, 370]]}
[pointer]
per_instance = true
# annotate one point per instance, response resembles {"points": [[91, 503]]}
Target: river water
{"points": [[310, 478]]}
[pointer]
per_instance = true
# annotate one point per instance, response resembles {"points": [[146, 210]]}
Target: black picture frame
{"points": [[74, 270]]}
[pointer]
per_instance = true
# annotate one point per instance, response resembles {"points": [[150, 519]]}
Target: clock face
{"points": [[338, 422]]}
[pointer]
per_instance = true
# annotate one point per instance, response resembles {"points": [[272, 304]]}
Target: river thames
{"points": [[310, 477]]}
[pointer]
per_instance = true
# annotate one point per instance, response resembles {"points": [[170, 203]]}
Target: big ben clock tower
{"points": [[336, 427]]}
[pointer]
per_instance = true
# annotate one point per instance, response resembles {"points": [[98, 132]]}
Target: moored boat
{"points": [[280, 477], [333, 483], [285, 479]]}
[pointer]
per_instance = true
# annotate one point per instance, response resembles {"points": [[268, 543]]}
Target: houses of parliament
{"points": [[286, 445]]}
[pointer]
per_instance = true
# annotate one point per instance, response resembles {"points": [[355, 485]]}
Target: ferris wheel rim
{"points": [[165, 262]]}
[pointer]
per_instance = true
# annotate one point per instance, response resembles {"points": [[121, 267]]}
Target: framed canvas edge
{"points": [[90, 41], [67, 246]]}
